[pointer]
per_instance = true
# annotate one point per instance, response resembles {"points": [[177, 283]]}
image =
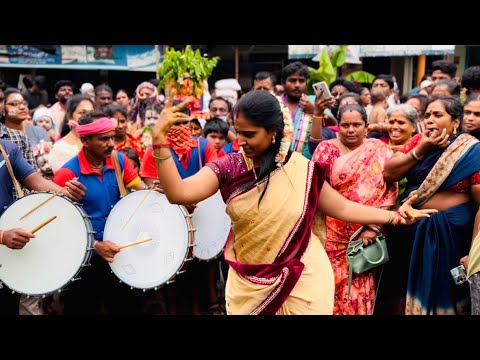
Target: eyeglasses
{"points": [[17, 103]]}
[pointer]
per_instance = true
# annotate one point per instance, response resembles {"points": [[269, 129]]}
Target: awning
{"points": [[362, 51], [81, 57]]}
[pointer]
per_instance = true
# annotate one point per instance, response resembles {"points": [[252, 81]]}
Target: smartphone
{"points": [[322, 85]]}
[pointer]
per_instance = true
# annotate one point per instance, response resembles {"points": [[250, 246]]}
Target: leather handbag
{"points": [[361, 259]]}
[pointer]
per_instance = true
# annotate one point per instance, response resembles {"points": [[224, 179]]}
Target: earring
{"points": [[273, 140], [454, 131]]}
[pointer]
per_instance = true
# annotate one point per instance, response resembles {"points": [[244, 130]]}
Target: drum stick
{"points": [[138, 207], [135, 242], [45, 201], [43, 224]]}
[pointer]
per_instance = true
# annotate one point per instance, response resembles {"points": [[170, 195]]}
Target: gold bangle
{"points": [[322, 117], [161, 158], [391, 215]]}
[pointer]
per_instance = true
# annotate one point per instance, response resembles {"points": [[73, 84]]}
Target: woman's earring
{"points": [[454, 131], [273, 140]]}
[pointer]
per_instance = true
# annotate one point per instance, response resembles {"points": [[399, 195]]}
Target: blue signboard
{"points": [[88, 57]]}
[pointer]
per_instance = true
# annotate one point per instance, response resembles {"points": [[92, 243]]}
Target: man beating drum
{"points": [[99, 291], [17, 238]]}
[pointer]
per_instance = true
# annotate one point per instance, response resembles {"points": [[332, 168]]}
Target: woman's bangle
{"points": [[414, 155], [161, 158], [322, 117], [313, 140], [1, 237], [95, 242], [391, 216]]}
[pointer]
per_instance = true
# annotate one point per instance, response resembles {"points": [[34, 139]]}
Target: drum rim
{"points": [[88, 253]]}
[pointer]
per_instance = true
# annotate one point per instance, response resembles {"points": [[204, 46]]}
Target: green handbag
{"points": [[361, 259]]}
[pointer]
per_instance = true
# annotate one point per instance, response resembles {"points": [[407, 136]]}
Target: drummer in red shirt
{"points": [[99, 290]]}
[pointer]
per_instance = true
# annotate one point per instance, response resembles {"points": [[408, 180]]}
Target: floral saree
{"points": [[358, 176]]}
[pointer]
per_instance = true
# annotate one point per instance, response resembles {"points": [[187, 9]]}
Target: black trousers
{"points": [[99, 292], [8, 302]]}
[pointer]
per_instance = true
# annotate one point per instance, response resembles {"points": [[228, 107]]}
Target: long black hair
{"points": [[263, 109]]}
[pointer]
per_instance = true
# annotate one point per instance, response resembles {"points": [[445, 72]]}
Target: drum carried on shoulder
{"points": [[157, 240], [212, 226], [59, 251], [160, 237], [148, 214]]}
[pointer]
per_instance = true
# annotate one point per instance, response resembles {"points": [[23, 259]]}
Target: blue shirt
{"points": [[101, 195], [21, 170]]}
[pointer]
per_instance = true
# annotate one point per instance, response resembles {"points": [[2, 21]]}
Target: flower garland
{"points": [[287, 138]]}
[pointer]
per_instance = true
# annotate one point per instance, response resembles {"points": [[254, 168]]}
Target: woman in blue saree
{"points": [[442, 166]]}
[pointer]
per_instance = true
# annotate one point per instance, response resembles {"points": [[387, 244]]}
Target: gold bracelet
{"points": [[161, 158]]}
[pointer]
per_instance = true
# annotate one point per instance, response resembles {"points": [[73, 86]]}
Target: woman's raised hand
{"points": [[432, 139], [169, 116], [409, 215]]}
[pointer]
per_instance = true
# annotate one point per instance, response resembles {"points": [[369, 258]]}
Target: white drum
{"points": [[55, 257], [212, 226], [154, 263]]}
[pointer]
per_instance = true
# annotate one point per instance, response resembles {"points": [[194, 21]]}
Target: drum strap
{"points": [[118, 173], [10, 170]]}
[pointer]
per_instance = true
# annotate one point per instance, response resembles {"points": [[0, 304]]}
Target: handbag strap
{"points": [[118, 173], [10, 170], [350, 271]]}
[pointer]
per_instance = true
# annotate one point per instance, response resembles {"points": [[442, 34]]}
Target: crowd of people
{"points": [[299, 175]]}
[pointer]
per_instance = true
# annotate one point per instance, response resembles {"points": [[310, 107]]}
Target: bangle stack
{"points": [[160, 146], [414, 155]]}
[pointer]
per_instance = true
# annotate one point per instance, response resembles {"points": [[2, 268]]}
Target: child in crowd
{"points": [[216, 132]]}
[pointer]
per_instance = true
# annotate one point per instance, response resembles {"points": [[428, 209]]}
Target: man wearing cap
{"points": [[94, 168]]}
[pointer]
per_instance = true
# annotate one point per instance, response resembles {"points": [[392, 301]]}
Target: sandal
{"points": [[215, 309]]}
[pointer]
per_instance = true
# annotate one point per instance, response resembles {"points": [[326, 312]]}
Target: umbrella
{"points": [[361, 77]]}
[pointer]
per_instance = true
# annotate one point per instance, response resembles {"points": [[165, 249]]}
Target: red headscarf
{"points": [[179, 138]]}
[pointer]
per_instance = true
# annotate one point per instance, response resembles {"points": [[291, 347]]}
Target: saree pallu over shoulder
{"points": [[271, 250], [457, 155], [443, 238]]}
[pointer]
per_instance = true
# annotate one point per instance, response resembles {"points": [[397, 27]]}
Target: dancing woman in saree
{"points": [[356, 171], [276, 265], [443, 171]]}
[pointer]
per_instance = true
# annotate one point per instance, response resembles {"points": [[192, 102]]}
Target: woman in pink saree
{"points": [[277, 266], [355, 170]]}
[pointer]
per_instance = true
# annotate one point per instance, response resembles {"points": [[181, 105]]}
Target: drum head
{"points": [[153, 263], [212, 226], [50, 260]]}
